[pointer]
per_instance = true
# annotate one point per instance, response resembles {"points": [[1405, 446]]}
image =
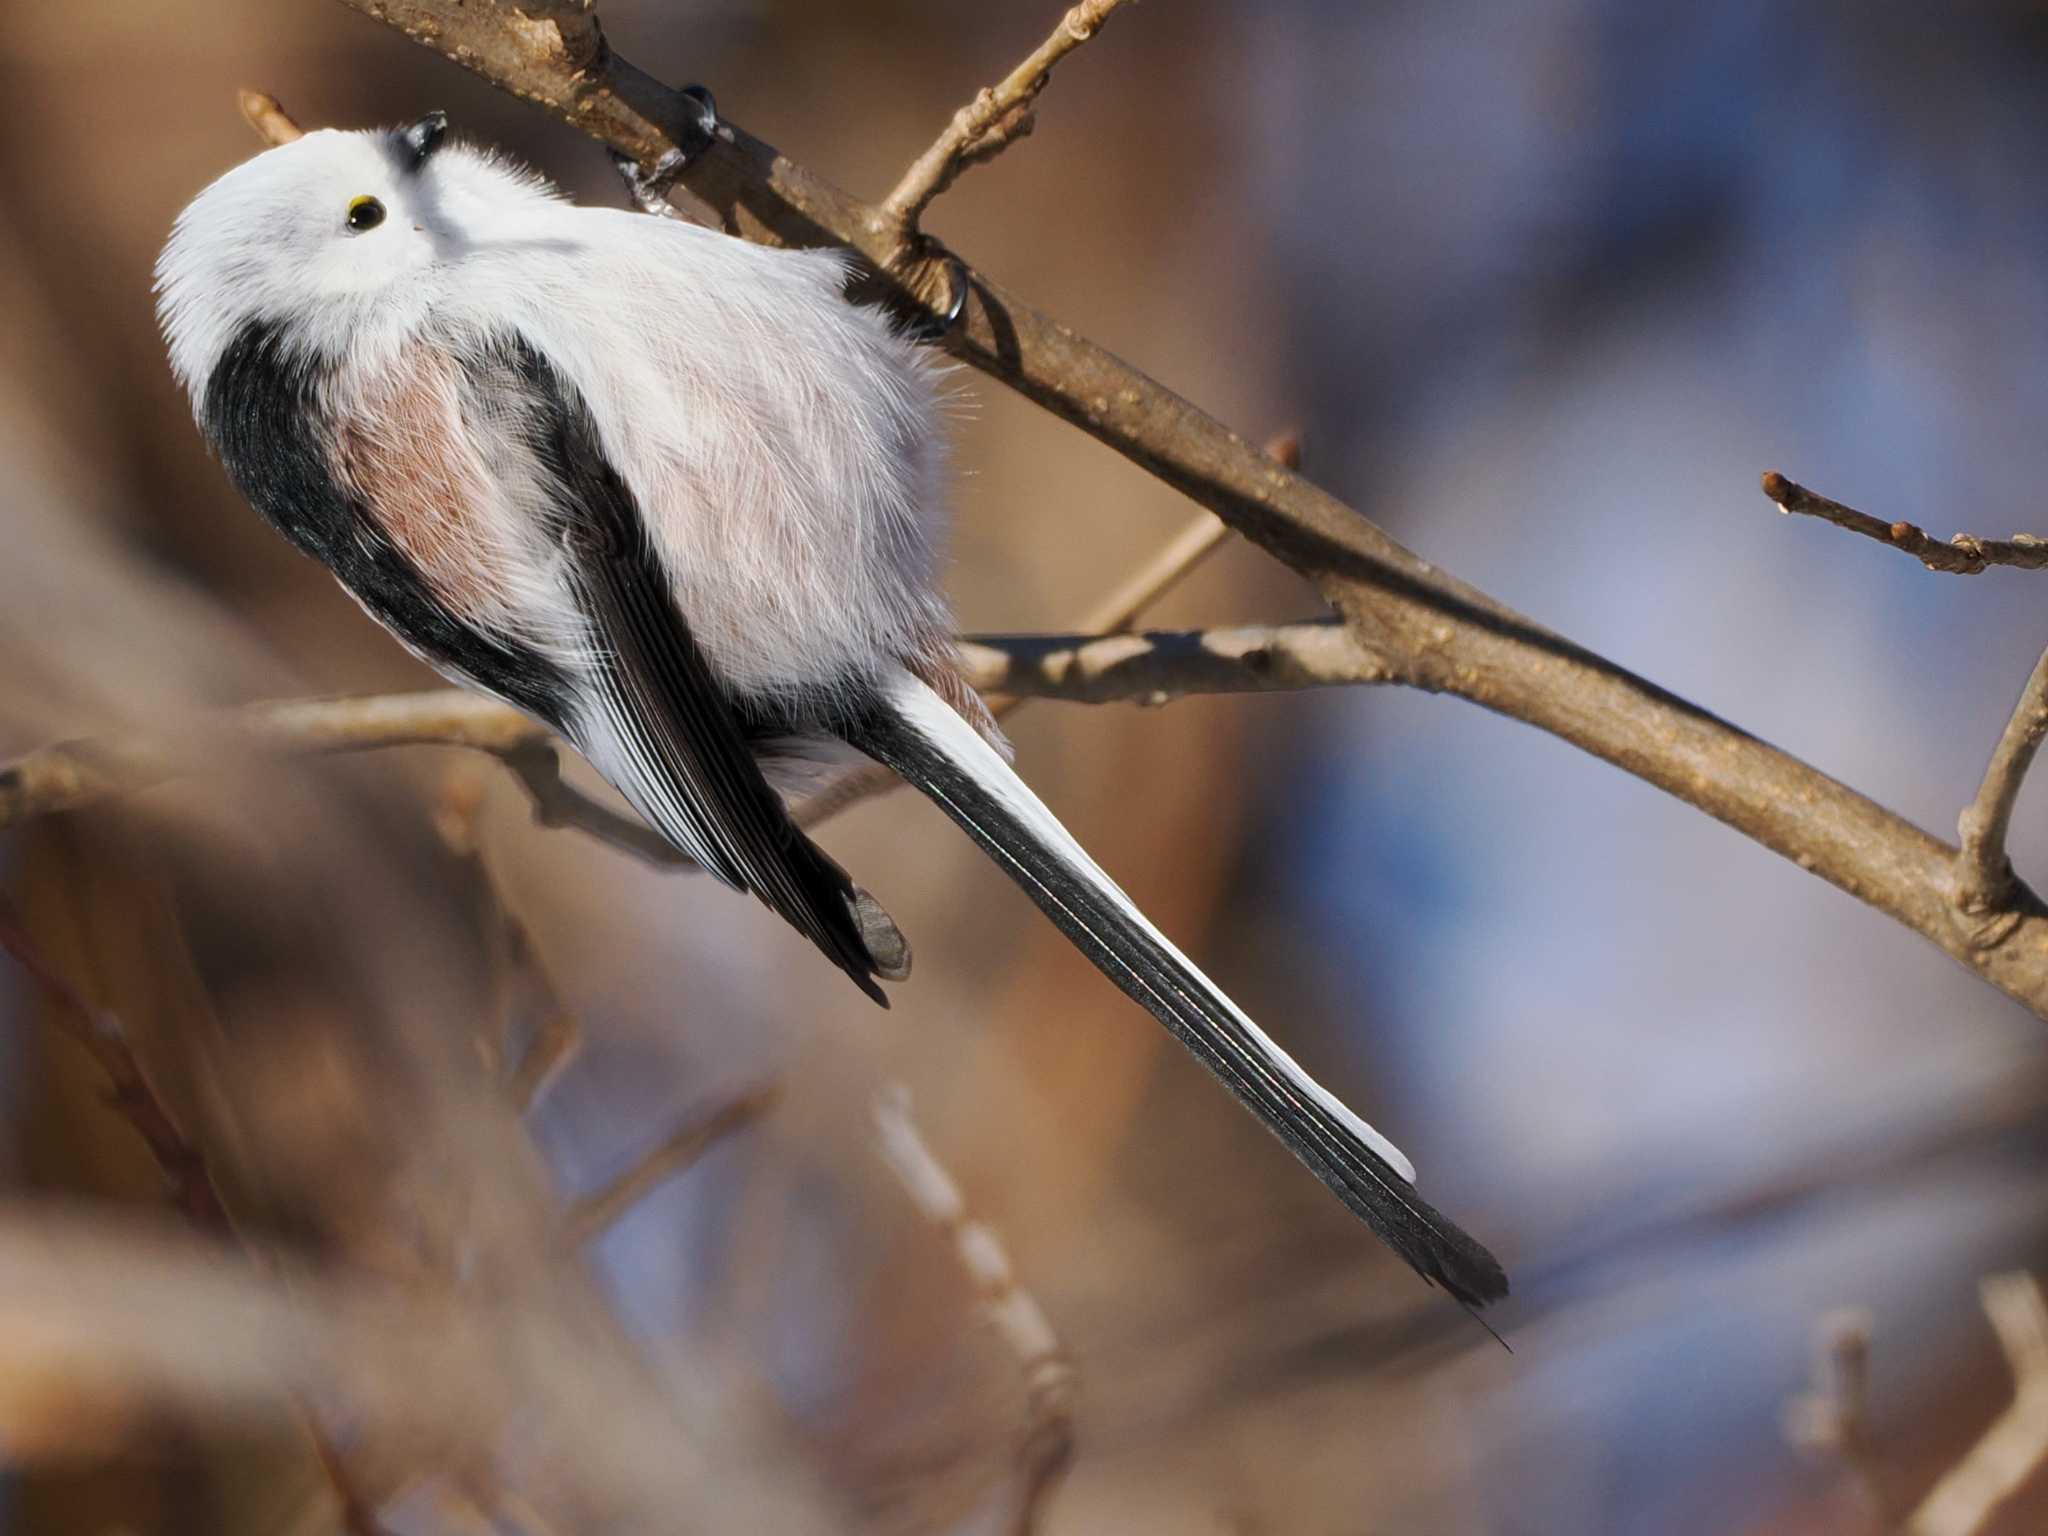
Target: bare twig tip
{"points": [[1964, 555], [263, 113], [997, 117]]}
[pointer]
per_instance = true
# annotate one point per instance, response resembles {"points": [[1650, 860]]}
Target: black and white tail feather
{"points": [[925, 741], [669, 493]]}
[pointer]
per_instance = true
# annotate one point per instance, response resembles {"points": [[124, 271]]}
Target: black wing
{"points": [[661, 724]]}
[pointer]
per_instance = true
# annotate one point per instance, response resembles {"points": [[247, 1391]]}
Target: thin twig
{"points": [[263, 113], [186, 1176], [1964, 555], [1985, 880], [358, 1515], [1176, 560], [554, 1045], [1833, 1415], [1047, 1445], [559, 1034], [596, 1213], [997, 117], [556, 803], [2015, 1447]]}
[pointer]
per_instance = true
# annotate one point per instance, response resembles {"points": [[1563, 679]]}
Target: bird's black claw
{"points": [[702, 123], [649, 189], [934, 325], [646, 188], [695, 133]]}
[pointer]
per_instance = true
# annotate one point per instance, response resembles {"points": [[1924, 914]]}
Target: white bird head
{"points": [[338, 237]]}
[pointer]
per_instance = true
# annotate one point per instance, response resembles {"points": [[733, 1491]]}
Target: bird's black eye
{"points": [[364, 213]]}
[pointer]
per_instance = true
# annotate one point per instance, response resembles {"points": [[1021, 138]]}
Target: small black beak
{"points": [[422, 137]]}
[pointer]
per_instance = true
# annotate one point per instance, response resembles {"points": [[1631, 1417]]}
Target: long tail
{"points": [[915, 733]]}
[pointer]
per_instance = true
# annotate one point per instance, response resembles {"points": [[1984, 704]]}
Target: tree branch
{"points": [[1093, 669], [997, 117], [1964, 555], [1159, 666]]}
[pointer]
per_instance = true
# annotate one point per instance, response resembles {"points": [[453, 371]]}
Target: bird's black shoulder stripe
{"points": [[261, 411]]}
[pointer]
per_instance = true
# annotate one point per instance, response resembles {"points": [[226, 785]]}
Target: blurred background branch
{"points": [[110, 1329], [1147, 668], [1834, 1417], [1047, 1444], [186, 1179], [2014, 1448], [598, 1212]]}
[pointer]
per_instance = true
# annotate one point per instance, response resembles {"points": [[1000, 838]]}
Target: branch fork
{"points": [[1987, 890]]}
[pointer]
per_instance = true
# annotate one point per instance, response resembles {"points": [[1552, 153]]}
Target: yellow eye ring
{"points": [[364, 213]]}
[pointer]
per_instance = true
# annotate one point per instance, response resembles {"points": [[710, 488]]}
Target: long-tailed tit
{"points": [[672, 495]]}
